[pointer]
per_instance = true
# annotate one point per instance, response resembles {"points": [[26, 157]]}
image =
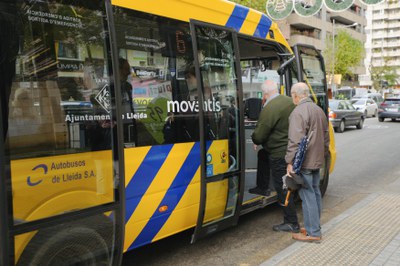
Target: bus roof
{"points": [[220, 12]]}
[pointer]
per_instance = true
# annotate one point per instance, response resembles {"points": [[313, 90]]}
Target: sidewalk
{"points": [[366, 234]]}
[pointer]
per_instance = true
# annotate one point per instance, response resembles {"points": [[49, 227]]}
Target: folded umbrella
{"points": [[301, 152], [295, 181]]}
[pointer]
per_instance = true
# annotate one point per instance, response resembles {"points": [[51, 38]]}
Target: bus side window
{"points": [[164, 100]]}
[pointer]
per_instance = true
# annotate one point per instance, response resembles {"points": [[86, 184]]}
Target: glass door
{"points": [[60, 135], [221, 129], [311, 70]]}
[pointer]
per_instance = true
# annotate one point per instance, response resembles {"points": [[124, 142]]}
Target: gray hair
{"points": [[269, 86], [301, 89]]}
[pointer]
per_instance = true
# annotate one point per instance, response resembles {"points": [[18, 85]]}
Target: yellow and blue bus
{"points": [[125, 122]]}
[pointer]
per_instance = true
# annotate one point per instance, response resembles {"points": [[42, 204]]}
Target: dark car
{"points": [[343, 114], [389, 108]]}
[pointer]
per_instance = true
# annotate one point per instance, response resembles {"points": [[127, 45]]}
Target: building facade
{"points": [[382, 45]]}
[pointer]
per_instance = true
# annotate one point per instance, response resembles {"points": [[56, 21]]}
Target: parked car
{"points": [[389, 108], [366, 106], [376, 97], [343, 114]]}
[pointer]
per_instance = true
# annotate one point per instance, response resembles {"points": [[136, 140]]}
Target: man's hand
{"points": [[289, 169]]}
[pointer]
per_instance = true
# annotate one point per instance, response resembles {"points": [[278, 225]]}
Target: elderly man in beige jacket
{"points": [[308, 117]]}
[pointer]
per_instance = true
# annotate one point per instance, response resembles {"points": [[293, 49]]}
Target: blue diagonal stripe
{"points": [[143, 177], [263, 27], [172, 197], [237, 17]]}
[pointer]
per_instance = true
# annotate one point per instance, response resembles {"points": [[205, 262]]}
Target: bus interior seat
{"points": [[252, 108]]}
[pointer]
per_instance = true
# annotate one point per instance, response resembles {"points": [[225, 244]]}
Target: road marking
{"points": [[375, 127]]}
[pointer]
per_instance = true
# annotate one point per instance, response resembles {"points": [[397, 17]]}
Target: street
{"points": [[366, 163]]}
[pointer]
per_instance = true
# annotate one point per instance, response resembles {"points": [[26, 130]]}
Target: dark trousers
{"points": [[263, 169], [278, 169]]}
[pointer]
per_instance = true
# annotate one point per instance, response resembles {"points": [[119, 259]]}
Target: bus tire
{"points": [[72, 245], [323, 185]]}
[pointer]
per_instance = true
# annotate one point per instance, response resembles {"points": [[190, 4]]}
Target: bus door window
{"points": [[313, 73], [220, 94]]}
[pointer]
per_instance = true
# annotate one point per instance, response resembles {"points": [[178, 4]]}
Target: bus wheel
{"points": [[69, 246], [323, 185]]}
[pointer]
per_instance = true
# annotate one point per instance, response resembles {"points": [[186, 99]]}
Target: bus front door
{"points": [[221, 129], [60, 186]]}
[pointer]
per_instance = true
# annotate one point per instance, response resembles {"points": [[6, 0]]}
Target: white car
{"points": [[366, 106]]}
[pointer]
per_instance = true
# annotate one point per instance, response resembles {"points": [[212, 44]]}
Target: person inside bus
{"points": [[272, 133], [263, 169], [102, 133], [210, 116], [129, 124], [170, 129]]}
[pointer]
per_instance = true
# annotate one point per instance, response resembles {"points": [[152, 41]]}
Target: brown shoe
{"points": [[306, 238], [303, 231]]}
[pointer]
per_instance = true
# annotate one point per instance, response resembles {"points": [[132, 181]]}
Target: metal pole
{"points": [[333, 55]]}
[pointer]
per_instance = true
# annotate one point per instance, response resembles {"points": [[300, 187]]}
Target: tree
{"points": [[348, 54], [256, 4], [383, 76]]}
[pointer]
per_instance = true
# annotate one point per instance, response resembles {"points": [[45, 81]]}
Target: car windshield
{"points": [[333, 105], [358, 102]]}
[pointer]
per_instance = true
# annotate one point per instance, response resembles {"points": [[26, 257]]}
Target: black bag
{"points": [[293, 182]]}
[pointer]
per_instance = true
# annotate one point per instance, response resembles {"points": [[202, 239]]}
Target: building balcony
{"points": [[297, 38], [365, 80], [379, 54], [357, 35], [379, 16], [380, 45], [394, 62], [359, 70], [305, 23], [348, 17], [393, 5], [377, 63], [385, 17], [384, 26], [392, 53], [381, 63]]}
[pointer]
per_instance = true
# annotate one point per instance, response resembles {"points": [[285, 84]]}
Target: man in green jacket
{"points": [[272, 133]]}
